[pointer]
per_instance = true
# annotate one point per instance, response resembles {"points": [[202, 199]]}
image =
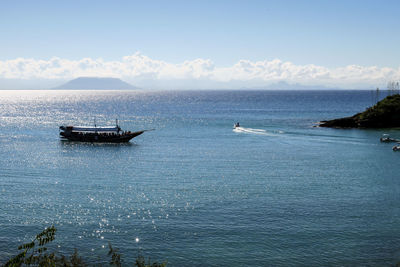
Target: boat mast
{"points": [[95, 130], [116, 124]]}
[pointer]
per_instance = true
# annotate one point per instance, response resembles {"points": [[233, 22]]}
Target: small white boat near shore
{"points": [[387, 139]]}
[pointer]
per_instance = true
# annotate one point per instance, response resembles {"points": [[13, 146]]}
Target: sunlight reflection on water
{"points": [[193, 191]]}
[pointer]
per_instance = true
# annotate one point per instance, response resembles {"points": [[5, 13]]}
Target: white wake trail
{"points": [[252, 131]]}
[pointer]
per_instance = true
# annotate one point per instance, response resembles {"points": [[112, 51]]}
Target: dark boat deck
{"points": [[101, 137]]}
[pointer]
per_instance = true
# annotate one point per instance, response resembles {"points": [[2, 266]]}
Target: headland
{"points": [[384, 114]]}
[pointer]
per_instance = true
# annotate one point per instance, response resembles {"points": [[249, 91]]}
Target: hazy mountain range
{"points": [[96, 83]]}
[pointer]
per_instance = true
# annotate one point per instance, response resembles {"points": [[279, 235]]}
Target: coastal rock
{"points": [[385, 114]]}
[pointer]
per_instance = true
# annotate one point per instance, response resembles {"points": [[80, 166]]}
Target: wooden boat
{"points": [[97, 134]]}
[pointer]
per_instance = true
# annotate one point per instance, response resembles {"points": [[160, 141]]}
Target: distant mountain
{"points": [[282, 85], [95, 83]]}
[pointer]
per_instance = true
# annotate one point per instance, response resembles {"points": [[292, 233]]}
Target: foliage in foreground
{"points": [[35, 253]]}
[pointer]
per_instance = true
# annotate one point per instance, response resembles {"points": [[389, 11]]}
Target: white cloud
{"points": [[138, 67]]}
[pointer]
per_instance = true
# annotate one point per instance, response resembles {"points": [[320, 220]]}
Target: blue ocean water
{"points": [[195, 192]]}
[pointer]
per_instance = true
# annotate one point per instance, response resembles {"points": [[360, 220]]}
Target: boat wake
{"points": [[252, 131]]}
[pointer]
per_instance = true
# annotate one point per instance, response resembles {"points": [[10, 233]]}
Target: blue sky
{"points": [[331, 34]]}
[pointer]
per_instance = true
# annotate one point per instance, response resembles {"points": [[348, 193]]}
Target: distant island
{"points": [[96, 83], [385, 114]]}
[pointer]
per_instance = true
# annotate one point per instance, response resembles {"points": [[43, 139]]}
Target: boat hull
{"points": [[99, 137]]}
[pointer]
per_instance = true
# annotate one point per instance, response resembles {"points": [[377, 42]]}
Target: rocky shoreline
{"points": [[385, 114]]}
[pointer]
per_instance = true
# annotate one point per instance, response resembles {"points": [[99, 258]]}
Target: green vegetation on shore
{"points": [[35, 253], [385, 114]]}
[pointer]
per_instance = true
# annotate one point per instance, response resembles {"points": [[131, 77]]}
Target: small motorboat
{"points": [[396, 148], [236, 125], [387, 139]]}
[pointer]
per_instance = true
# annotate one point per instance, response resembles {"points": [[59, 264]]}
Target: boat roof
{"points": [[94, 129]]}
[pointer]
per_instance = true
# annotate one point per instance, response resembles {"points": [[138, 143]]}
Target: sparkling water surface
{"points": [[195, 192]]}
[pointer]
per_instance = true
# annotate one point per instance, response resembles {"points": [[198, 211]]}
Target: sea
{"points": [[278, 191]]}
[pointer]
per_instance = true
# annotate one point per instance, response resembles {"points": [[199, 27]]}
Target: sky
{"points": [[211, 44]]}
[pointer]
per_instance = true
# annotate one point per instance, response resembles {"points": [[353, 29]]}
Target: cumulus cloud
{"points": [[140, 67]]}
